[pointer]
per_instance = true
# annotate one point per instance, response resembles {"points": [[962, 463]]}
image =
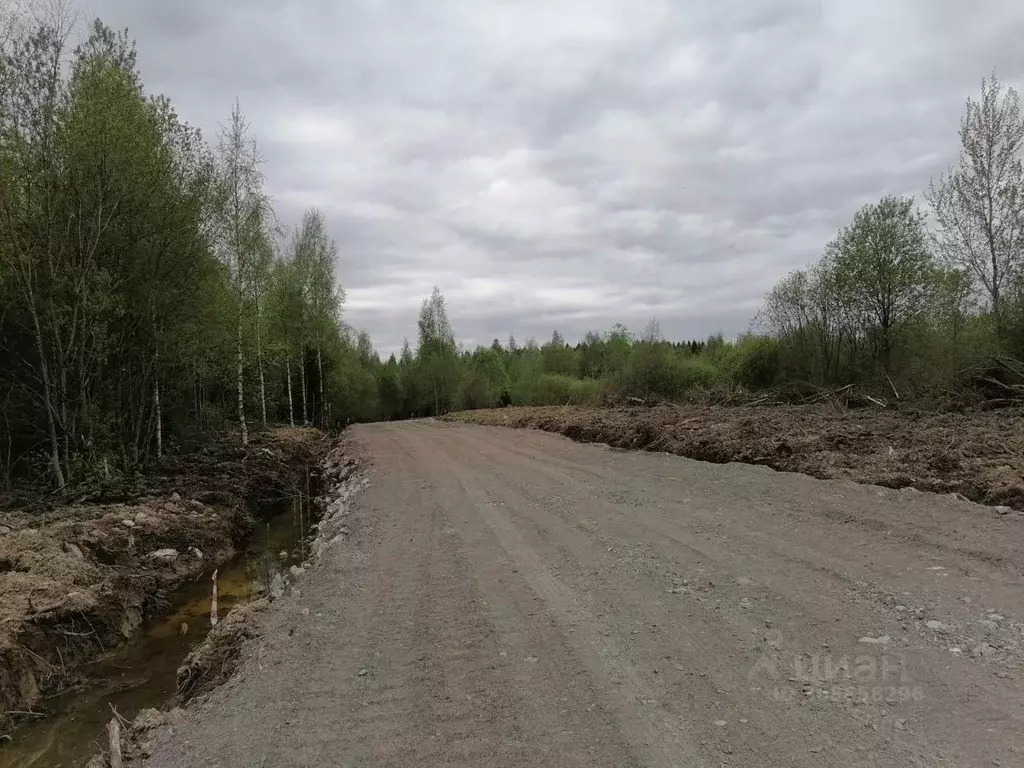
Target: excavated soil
{"points": [[979, 455], [77, 580]]}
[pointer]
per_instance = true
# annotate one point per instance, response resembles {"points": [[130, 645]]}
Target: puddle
{"points": [[142, 673]]}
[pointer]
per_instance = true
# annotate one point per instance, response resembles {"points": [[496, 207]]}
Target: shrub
{"points": [[756, 362], [694, 373]]}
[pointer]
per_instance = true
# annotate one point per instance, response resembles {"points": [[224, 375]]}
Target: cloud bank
{"points": [[577, 163]]}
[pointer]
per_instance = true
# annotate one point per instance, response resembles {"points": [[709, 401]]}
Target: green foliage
{"points": [[141, 293], [556, 389], [756, 362]]}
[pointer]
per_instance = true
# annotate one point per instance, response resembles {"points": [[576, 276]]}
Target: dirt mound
{"points": [[77, 580], [214, 660], [77, 588], [978, 454]]}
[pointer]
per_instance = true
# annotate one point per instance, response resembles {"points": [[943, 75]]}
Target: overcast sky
{"points": [[573, 163]]}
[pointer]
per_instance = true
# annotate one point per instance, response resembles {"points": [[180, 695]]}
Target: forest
{"points": [[149, 294]]}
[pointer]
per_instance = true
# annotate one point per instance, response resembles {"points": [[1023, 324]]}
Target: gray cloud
{"points": [[576, 163]]}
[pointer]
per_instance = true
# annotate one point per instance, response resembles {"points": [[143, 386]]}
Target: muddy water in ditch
{"points": [[142, 673]]}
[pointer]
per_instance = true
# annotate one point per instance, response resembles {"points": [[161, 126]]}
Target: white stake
{"points": [[213, 602]]}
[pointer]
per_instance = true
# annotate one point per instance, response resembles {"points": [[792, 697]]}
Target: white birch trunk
{"points": [[291, 412], [58, 471], [241, 391], [305, 407], [259, 360], [320, 376], [159, 421]]}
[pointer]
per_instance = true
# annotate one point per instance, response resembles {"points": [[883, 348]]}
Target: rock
{"points": [[4, 530], [296, 571], [176, 717], [983, 649], [720, 723], [936, 626], [743, 581], [130, 620], [195, 504], [175, 496], [991, 626], [901, 608], [883, 640], [197, 552], [1004, 510], [305, 612], [73, 550], [147, 720], [183, 629], [282, 555], [143, 519], [996, 617], [128, 523], [277, 586], [363, 672], [165, 556], [745, 603]]}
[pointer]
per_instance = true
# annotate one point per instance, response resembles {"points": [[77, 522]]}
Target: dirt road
{"points": [[511, 598]]}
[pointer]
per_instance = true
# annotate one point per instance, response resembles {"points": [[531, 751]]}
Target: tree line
{"points": [[149, 293], [916, 294], [904, 298], [147, 290]]}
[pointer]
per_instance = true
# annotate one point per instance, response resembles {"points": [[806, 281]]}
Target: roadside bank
{"points": [[91, 592]]}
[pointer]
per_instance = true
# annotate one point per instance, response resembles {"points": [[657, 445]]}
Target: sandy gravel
{"points": [[511, 598]]}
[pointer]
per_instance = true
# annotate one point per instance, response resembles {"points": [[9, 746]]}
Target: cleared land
{"points": [[512, 598], [979, 454]]}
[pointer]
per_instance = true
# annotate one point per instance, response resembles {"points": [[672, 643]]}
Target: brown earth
{"points": [[77, 580], [978, 454], [512, 598]]}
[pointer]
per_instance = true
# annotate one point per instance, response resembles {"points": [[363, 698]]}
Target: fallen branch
{"points": [[876, 401], [893, 386], [1016, 389]]}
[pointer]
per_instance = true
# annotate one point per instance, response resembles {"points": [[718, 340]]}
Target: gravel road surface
{"points": [[511, 598]]}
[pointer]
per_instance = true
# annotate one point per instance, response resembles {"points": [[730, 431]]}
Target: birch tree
{"points": [[243, 208], [315, 254], [30, 98], [436, 353], [979, 203]]}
